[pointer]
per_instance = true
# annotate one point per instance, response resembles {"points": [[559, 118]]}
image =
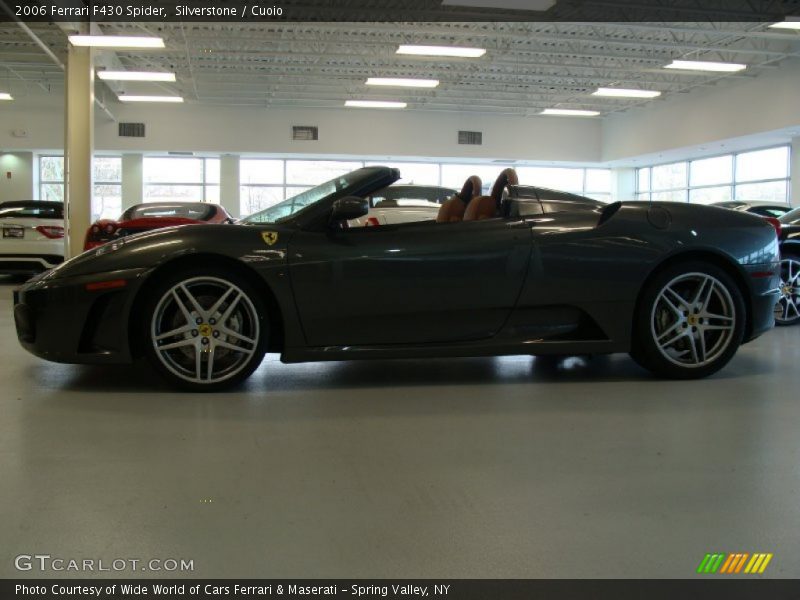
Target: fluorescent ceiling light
{"points": [[5, 96], [129, 98], [625, 93], [568, 112], [116, 41], [441, 51], [786, 25], [374, 104], [400, 82], [135, 76], [702, 65]]}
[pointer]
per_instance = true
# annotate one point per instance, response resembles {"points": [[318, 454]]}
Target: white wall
{"points": [[360, 132], [731, 109], [16, 176]]}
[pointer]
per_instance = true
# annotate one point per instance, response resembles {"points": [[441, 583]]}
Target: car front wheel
{"points": [[787, 310], [690, 321], [205, 330]]}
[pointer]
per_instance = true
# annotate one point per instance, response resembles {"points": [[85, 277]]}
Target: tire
{"points": [[204, 329], [689, 322], [787, 310]]}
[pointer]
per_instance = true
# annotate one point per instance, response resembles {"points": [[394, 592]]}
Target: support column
{"points": [[78, 143], [132, 180], [623, 184], [229, 183], [794, 173]]}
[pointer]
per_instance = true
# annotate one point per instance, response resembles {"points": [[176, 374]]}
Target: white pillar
{"points": [[229, 183], [794, 182], [623, 184], [16, 176], [132, 180], [78, 142]]}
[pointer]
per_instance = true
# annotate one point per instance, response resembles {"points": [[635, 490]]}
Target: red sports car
{"points": [[154, 215]]}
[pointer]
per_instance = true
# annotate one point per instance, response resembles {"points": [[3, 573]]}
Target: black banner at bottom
{"points": [[372, 589]]}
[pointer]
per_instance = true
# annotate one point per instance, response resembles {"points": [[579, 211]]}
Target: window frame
{"points": [[733, 184]]}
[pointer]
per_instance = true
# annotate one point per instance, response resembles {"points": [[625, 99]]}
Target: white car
{"points": [[403, 204], [32, 236]]}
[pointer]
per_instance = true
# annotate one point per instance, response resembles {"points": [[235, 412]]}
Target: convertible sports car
{"points": [[678, 286], [787, 311], [154, 215]]}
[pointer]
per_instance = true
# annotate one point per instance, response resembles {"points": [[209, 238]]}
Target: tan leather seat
{"points": [[488, 207], [452, 210]]}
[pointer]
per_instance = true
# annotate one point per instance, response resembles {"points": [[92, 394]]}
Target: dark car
{"points": [[756, 207], [679, 286], [787, 311], [154, 215]]}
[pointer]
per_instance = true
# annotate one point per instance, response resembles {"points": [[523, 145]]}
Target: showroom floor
{"points": [[414, 468]]}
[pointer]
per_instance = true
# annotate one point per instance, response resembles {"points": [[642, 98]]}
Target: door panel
{"points": [[408, 283]]}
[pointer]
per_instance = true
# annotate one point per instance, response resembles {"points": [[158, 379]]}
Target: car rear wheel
{"points": [[205, 330], [689, 322], [787, 310]]}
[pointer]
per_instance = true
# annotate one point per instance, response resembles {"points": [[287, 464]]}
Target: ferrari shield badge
{"points": [[269, 237]]}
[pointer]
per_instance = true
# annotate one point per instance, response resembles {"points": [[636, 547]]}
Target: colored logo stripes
{"points": [[735, 562]]}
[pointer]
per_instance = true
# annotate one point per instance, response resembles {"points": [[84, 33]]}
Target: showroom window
{"points": [[170, 178], [107, 190], [261, 184], [51, 178], [753, 175], [106, 176]]}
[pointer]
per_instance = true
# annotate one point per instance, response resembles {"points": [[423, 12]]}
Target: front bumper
{"points": [[764, 281], [62, 321]]}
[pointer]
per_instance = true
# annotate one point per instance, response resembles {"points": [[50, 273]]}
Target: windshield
{"points": [[791, 218], [33, 209], [185, 210], [282, 210]]}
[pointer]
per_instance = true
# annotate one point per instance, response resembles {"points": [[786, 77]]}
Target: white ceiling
{"points": [[528, 66]]}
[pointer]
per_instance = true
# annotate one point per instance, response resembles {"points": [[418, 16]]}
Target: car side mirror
{"points": [[349, 207]]}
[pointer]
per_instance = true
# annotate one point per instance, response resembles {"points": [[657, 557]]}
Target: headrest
{"points": [[506, 178], [472, 188]]}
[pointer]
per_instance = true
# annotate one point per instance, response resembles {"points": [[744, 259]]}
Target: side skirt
{"points": [[486, 348]]}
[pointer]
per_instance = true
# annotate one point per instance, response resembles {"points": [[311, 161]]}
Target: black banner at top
{"points": [[404, 589], [243, 11]]}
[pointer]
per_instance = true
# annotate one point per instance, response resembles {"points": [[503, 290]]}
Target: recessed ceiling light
{"points": [[374, 104], [786, 25], [401, 82], [129, 98], [568, 112], [625, 93], [441, 51], [5, 96], [135, 76], [116, 41], [702, 65]]}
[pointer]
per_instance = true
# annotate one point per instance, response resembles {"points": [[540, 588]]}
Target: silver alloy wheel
{"points": [[204, 330], [693, 320], [787, 310]]}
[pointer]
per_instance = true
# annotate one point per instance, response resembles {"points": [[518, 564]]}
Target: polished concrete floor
{"points": [[415, 468]]}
